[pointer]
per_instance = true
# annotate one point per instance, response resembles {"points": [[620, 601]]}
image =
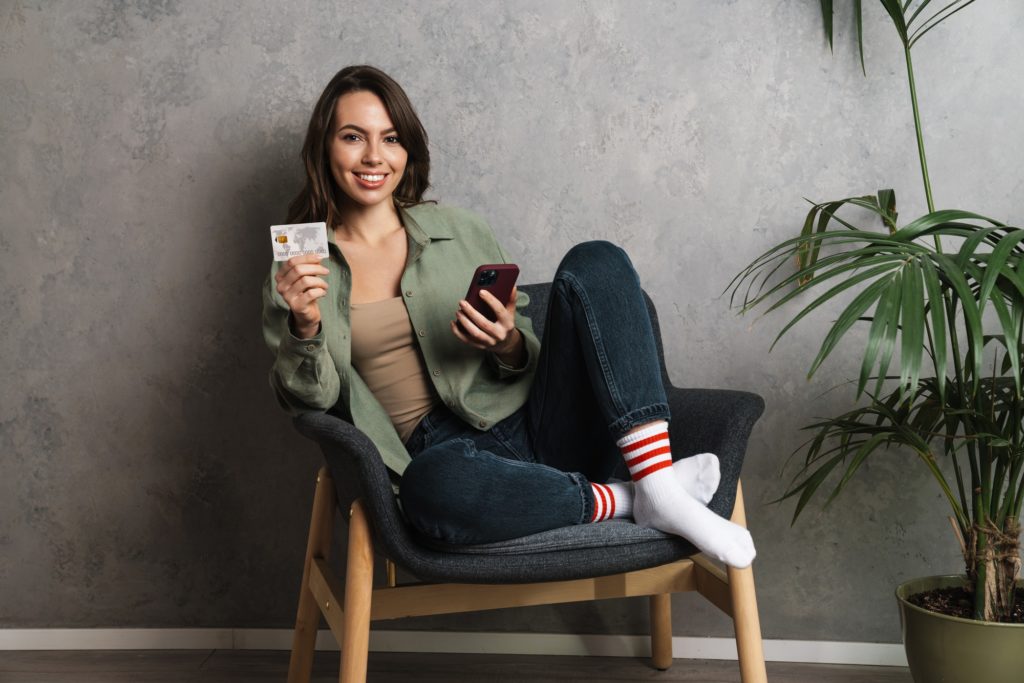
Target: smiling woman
{"points": [[319, 199], [367, 158], [493, 435]]}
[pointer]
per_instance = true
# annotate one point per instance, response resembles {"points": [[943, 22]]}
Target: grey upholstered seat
{"points": [[704, 420]]}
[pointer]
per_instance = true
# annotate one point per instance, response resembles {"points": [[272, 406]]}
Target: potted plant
{"points": [[945, 290]]}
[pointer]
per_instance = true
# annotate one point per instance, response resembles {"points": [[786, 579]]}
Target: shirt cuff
{"points": [[306, 348], [504, 369]]}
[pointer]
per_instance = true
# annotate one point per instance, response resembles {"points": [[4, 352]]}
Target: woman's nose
{"points": [[371, 155]]}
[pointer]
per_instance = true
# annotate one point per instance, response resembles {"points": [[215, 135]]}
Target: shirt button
{"points": [[481, 424], [311, 347], [423, 333], [408, 292], [437, 373]]}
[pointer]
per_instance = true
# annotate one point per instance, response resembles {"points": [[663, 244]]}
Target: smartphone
{"points": [[496, 278]]}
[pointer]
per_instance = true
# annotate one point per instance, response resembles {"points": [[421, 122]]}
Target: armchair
{"points": [[610, 559]]}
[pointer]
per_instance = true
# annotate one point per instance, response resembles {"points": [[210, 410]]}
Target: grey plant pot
{"points": [[944, 649]]}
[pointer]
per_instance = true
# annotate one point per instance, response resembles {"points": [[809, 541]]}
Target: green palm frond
{"points": [[990, 425], [913, 294], [910, 28], [841, 445]]}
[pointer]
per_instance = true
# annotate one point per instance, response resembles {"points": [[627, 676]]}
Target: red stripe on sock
{"points": [[600, 505], [629, 448], [648, 455], [652, 469], [609, 501]]}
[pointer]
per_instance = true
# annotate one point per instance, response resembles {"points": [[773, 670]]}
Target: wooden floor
{"points": [[258, 666]]}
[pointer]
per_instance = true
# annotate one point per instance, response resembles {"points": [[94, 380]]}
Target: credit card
{"points": [[296, 239]]}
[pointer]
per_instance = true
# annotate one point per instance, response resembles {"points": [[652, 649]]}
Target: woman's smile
{"points": [[370, 180]]}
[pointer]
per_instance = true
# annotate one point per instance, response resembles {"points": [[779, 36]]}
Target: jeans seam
{"points": [[505, 441], [426, 430], [586, 503], [595, 337]]}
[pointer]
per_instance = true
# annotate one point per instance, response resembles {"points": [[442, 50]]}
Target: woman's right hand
{"points": [[300, 284]]}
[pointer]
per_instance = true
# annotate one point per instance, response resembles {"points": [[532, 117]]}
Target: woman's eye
{"points": [[349, 137], [392, 139]]}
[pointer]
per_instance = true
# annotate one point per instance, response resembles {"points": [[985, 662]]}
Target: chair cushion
{"points": [[614, 533]]}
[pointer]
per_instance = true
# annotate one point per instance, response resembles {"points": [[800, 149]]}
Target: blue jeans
{"points": [[598, 376]]}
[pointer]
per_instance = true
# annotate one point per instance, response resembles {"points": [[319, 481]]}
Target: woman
{"points": [[494, 435]]}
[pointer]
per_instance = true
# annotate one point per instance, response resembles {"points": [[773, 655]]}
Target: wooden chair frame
{"points": [[349, 609]]}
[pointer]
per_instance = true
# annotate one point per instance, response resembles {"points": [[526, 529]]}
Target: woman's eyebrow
{"points": [[363, 131]]}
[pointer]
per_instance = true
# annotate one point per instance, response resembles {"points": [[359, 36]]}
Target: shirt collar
{"points": [[420, 234]]}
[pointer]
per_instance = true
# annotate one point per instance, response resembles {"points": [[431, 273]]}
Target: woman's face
{"points": [[367, 158]]}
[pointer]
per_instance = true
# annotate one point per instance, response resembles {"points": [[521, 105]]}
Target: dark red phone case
{"points": [[496, 278]]}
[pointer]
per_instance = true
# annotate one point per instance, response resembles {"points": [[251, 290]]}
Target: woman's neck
{"points": [[369, 225]]}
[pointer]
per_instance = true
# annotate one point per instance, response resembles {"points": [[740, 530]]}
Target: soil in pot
{"points": [[957, 602]]}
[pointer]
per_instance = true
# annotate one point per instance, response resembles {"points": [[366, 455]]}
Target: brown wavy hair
{"points": [[321, 198]]}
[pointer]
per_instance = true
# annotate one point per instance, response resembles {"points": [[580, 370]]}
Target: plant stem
{"points": [[1012, 492], [980, 567], [958, 373], [1018, 461], [1018, 500], [920, 137], [977, 510]]}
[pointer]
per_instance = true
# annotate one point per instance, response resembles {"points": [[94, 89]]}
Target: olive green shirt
{"points": [[445, 247]]}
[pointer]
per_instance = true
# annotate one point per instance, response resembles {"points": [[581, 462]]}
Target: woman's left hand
{"points": [[499, 337]]}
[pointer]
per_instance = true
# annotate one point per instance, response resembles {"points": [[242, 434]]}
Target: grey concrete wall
{"points": [[147, 476]]}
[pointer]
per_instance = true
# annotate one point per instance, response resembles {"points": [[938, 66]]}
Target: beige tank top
{"points": [[385, 354]]}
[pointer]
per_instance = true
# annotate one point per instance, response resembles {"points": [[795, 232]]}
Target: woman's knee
{"points": [[433, 489], [432, 475], [598, 259]]}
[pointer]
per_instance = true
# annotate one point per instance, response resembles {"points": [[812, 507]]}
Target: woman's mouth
{"points": [[371, 180]]}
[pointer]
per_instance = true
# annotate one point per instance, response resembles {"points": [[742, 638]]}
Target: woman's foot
{"points": [[699, 475], [661, 502]]}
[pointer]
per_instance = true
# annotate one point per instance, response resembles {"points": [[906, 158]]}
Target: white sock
{"points": [[699, 475], [612, 501], [661, 502]]}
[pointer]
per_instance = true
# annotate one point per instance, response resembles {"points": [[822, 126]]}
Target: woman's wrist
{"points": [[306, 331], [513, 354]]}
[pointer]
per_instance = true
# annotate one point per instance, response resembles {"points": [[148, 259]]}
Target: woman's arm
{"points": [[303, 374]]}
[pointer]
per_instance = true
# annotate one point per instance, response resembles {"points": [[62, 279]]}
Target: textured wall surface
{"points": [[147, 477]]}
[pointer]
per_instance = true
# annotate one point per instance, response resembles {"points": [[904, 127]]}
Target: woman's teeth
{"points": [[370, 178]]}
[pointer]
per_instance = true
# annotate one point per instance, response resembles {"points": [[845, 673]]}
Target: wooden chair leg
{"points": [[661, 631], [745, 617], [307, 621], [358, 595]]}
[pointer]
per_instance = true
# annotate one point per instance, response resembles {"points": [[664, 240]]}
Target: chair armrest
{"points": [[358, 472], [715, 421]]}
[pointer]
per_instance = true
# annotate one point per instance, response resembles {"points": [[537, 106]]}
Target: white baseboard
{"points": [[806, 651]]}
